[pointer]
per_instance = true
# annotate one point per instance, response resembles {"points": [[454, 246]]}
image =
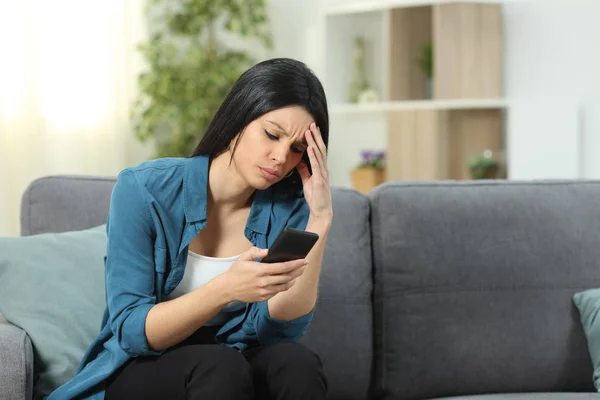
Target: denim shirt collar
{"points": [[195, 185]]}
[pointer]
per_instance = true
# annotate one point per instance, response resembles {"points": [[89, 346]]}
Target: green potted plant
{"points": [[191, 68], [370, 172], [484, 166], [425, 63]]}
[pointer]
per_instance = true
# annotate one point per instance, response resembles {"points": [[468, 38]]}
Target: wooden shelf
{"points": [[378, 5], [429, 128], [386, 106]]}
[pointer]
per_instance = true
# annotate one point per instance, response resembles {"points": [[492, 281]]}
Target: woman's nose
{"points": [[280, 155]]}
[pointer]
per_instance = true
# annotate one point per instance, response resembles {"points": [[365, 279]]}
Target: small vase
{"points": [[368, 96], [359, 81], [365, 179], [429, 88]]}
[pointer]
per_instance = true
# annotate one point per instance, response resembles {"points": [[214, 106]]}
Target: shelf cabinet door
{"points": [[417, 145], [468, 46]]}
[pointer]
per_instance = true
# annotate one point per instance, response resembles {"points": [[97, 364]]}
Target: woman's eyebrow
{"points": [[302, 142], [279, 126]]}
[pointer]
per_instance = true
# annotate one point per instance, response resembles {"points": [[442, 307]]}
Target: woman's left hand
{"points": [[317, 190]]}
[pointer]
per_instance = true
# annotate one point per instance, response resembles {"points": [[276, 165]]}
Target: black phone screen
{"points": [[291, 244]]}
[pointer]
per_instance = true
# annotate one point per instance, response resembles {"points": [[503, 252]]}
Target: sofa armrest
{"points": [[16, 365]]}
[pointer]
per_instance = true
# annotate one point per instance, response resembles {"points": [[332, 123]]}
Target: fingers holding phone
{"points": [[291, 247], [282, 268], [279, 277], [285, 261], [250, 281]]}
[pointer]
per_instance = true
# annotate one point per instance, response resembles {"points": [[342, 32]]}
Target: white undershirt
{"points": [[198, 271]]}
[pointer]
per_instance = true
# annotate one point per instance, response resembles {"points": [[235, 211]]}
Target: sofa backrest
{"points": [[65, 203], [341, 331], [474, 284]]}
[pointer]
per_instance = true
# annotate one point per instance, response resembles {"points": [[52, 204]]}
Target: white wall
{"points": [[294, 27], [553, 84]]}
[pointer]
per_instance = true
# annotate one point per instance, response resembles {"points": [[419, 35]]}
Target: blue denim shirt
{"points": [[156, 209]]}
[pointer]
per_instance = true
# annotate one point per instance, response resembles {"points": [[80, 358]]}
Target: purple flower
{"points": [[372, 158], [366, 155], [370, 155]]}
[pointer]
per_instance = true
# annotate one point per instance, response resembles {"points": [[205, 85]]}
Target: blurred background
{"points": [[417, 90]]}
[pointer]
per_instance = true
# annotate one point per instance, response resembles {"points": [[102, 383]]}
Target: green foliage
{"points": [[425, 60], [190, 68], [484, 166]]}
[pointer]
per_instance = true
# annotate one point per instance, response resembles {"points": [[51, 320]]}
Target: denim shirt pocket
{"points": [[160, 259]]}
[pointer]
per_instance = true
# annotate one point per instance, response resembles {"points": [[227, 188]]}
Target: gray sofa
{"points": [[429, 290]]}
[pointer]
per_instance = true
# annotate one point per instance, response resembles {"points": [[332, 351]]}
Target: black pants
{"points": [[199, 369]]}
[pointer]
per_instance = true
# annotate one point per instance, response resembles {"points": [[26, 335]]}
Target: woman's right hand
{"points": [[250, 281]]}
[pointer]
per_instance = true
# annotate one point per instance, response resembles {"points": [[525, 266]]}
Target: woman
{"points": [[191, 312]]}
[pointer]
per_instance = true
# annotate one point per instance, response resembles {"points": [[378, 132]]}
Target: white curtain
{"points": [[67, 78]]}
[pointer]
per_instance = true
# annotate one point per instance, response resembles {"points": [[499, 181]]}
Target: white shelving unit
{"points": [[353, 7], [386, 106], [425, 138]]}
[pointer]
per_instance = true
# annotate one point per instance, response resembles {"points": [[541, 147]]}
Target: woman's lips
{"points": [[268, 173]]}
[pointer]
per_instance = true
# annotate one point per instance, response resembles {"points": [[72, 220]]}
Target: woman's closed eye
{"points": [[295, 149], [270, 136]]}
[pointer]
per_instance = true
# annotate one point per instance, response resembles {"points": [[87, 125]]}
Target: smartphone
{"points": [[291, 244]]}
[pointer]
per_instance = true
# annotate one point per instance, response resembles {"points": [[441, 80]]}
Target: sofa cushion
{"points": [[474, 284], [341, 331], [52, 286], [588, 304]]}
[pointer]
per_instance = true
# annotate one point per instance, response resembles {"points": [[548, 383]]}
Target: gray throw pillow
{"points": [[52, 286], [588, 303]]}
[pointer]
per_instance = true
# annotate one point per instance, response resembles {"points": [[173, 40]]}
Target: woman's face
{"points": [[271, 146]]}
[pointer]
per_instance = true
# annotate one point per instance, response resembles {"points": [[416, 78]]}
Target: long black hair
{"points": [[267, 86]]}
